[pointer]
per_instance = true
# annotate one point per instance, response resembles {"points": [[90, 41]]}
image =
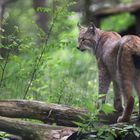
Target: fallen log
{"points": [[47, 113], [35, 131], [31, 131], [50, 113]]}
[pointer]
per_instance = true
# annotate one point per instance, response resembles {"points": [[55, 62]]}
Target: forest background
{"points": [[38, 55]]}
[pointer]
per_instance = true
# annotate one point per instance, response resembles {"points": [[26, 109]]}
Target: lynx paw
{"points": [[122, 119]]}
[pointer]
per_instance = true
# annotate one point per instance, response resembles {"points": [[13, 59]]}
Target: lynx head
{"points": [[87, 39]]}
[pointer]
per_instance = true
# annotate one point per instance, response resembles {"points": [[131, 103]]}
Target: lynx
{"points": [[118, 60]]}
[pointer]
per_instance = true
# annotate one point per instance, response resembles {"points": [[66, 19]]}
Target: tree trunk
{"points": [[2, 8], [137, 22], [119, 8], [42, 19], [3, 5]]}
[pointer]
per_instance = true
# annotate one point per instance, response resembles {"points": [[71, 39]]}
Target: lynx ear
{"points": [[79, 26], [92, 28]]}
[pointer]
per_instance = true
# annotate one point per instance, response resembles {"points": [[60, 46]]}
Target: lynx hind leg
{"points": [[137, 87], [126, 87], [117, 97], [126, 76]]}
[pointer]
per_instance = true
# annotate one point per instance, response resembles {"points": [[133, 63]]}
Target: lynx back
{"points": [[118, 60]]}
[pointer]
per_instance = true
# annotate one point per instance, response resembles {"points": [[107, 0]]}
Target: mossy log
{"points": [[32, 131], [47, 113], [59, 115]]}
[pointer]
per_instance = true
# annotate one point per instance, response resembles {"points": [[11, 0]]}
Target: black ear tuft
{"points": [[92, 28], [78, 25]]}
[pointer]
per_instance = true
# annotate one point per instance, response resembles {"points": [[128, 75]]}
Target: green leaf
{"points": [[136, 133], [109, 137], [128, 127], [79, 124], [90, 106]]}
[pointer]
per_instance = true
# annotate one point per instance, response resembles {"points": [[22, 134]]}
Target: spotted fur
{"points": [[118, 60]]}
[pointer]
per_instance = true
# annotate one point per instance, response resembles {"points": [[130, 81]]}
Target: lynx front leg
{"points": [[117, 97], [104, 82]]}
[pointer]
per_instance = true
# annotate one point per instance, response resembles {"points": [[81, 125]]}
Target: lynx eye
{"points": [[86, 39], [82, 39]]}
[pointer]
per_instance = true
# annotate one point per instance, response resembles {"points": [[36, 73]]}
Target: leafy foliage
{"points": [[60, 56], [52, 69], [118, 23]]}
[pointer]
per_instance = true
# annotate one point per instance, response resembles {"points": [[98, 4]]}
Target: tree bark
{"points": [[35, 131], [50, 113], [137, 22], [30, 131]]}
